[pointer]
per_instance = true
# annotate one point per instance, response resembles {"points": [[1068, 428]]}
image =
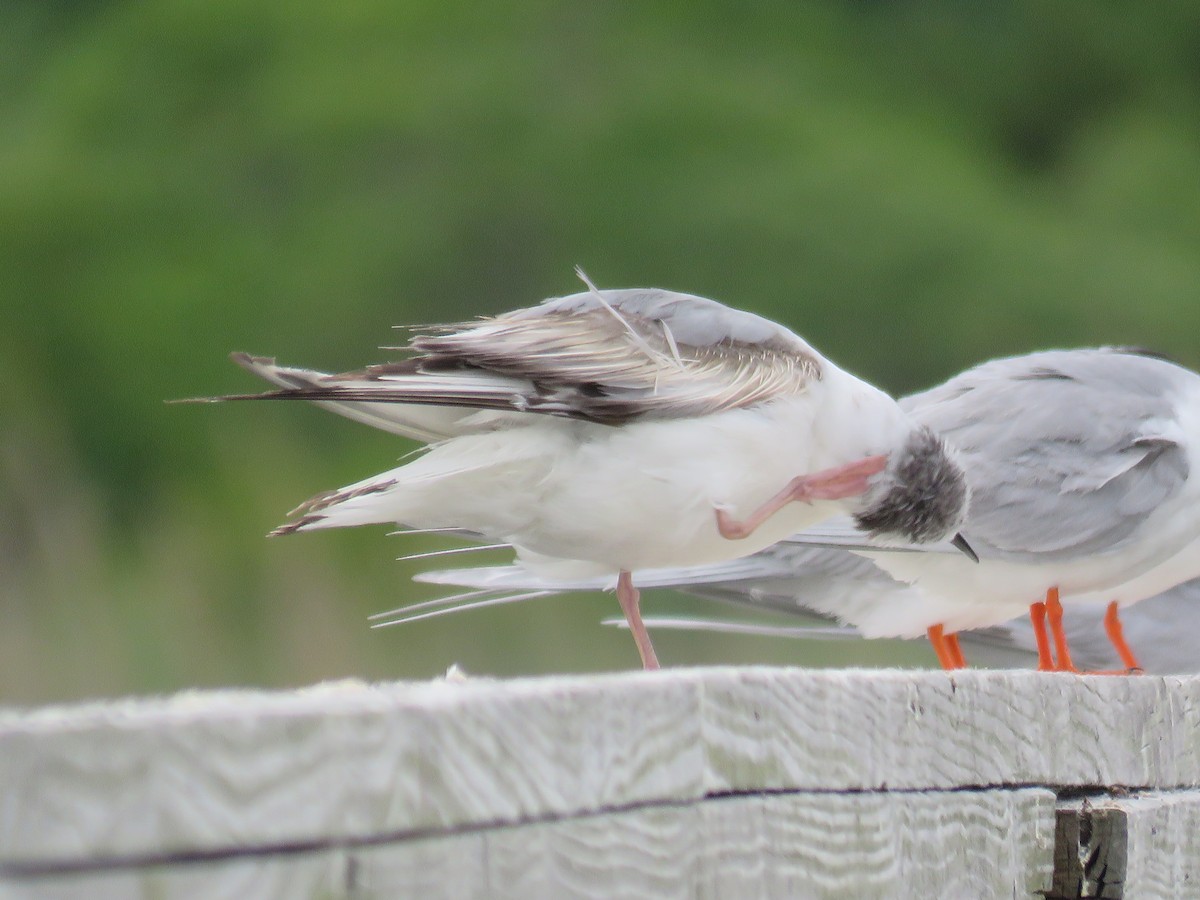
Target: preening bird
{"points": [[607, 432]]}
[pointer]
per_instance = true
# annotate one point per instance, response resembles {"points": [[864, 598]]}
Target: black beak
{"points": [[961, 543]]}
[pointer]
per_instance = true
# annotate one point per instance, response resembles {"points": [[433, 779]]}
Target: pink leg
{"points": [[849, 480], [629, 598]]}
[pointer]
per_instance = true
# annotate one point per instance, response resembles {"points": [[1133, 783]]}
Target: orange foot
{"points": [[1037, 615], [1054, 616], [1112, 627], [946, 647]]}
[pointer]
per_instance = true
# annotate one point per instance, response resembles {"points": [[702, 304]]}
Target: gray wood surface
{"points": [[304, 778], [804, 845]]}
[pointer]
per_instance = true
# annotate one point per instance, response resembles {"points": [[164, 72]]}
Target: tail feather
{"points": [[367, 397], [439, 489], [758, 629], [315, 512], [518, 577]]}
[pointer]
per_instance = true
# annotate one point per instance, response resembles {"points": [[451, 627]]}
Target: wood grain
{"points": [[204, 775], [884, 845], [855, 730]]}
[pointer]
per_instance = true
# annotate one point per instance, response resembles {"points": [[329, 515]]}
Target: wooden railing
{"points": [[724, 782]]}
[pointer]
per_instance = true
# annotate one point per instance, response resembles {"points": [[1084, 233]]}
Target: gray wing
{"points": [[809, 580], [1066, 451], [611, 356], [518, 577], [842, 533], [794, 579], [601, 356]]}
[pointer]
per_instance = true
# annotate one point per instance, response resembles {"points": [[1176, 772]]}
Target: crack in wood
{"points": [[28, 870]]}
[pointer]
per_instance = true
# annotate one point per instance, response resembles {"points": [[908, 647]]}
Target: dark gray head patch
{"points": [[923, 496]]}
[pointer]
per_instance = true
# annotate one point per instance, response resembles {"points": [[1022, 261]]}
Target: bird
{"points": [[1159, 626], [1078, 463], [835, 586], [606, 432]]}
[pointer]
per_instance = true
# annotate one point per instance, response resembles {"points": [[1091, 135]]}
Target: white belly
{"points": [[964, 595], [640, 496]]}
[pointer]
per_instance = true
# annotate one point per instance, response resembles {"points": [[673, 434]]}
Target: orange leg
{"points": [[849, 480], [1037, 615], [1112, 627], [630, 600], [1054, 616], [941, 646], [960, 661]]}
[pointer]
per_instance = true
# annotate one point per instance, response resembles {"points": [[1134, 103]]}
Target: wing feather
{"points": [[616, 355], [600, 356], [1067, 451]]}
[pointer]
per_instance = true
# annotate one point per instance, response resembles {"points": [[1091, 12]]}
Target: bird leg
{"points": [[1112, 627], [960, 661], [1037, 615], [629, 598], [849, 480], [942, 647], [1054, 616]]}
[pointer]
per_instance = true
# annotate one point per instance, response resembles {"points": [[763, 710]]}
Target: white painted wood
{"points": [[349, 760], [885, 845]]}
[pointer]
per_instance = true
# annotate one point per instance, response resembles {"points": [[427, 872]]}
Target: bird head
{"points": [[920, 497]]}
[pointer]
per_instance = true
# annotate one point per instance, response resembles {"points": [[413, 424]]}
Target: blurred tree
{"points": [[913, 186]]}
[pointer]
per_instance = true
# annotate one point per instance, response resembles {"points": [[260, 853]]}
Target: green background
{"points": [[914, 187]]}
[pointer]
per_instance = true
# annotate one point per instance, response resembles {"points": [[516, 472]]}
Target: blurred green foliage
{"points": [[914, 186]]}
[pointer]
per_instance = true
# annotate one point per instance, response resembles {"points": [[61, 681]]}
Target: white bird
{"points": [[838, 586], [1079, 465], [607, 432], [1160, 627]]}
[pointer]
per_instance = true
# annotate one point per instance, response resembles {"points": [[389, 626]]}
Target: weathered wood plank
{"points": [[855, 730], [880, 844], [205, 772], [919, 844], [209, 770], [886, 845], [1140, 846], [320, 876]]}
